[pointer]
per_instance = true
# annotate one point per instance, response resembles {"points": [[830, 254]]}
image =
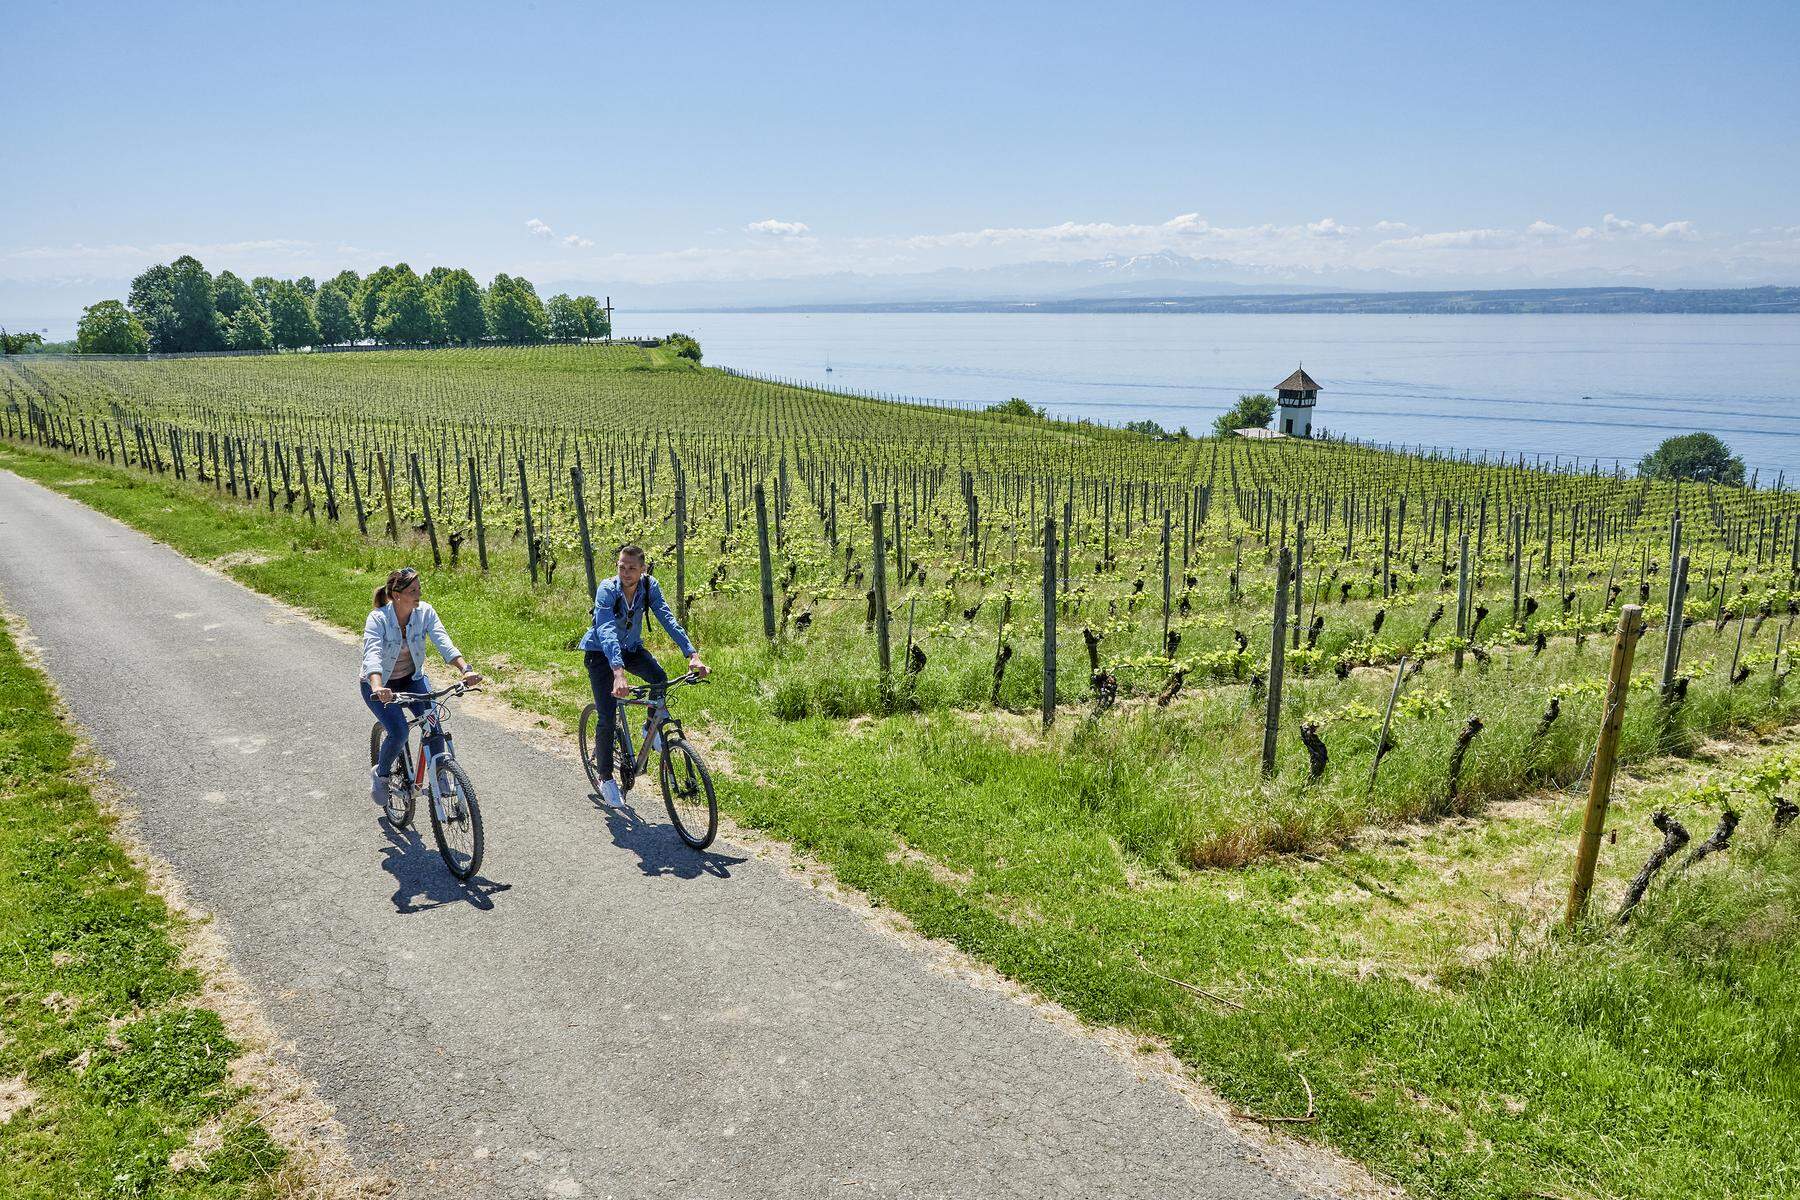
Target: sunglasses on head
{"points": [[408, 577]]}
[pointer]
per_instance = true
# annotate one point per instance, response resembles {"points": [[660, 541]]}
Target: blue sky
{"points": [[1325, 142]]}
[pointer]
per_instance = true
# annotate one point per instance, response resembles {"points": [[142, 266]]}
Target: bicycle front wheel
{"points": [[401, 797], [456, 820], [687, 789]]}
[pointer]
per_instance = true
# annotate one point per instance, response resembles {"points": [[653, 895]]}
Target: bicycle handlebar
{"points": [[644, 691], [456, 689]]}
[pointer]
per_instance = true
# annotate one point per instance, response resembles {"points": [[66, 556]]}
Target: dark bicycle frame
{"points": [[651, 698]]}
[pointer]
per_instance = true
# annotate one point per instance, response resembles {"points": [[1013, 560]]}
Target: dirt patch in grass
{"points": [[239, 558], [15, 1097]]}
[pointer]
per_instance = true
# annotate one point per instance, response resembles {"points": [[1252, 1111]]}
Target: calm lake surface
{"points": [[1606, 387]]}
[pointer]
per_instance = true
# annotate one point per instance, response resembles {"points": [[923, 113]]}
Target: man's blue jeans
{"points": [[393, 718]]}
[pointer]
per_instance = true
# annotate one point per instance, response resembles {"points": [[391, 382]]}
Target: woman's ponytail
{"points": [[381, 596]]}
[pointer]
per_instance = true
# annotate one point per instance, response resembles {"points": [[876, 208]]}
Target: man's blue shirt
{"points": [[619, 627]]}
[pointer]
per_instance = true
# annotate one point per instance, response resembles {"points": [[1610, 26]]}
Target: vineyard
{"points": [[892, 557], [1228, 742]]}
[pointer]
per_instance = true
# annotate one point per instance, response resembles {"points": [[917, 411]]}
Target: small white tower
{"points": [[1297, 394]]}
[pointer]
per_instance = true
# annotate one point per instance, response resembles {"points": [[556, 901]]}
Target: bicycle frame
{"points": [[640, 755], [657, 718], [429, 724]]}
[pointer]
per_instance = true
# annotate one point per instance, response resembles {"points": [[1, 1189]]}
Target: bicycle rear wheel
{"points": [[456, 820], [402, 800], [687, 789]]}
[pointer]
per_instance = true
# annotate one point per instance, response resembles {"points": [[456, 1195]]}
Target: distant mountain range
{"points": [[1169, 282], [1160, 274], [1516, 300]]}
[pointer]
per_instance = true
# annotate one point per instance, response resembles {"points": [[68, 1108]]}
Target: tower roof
{"points": [[1298, 381]]}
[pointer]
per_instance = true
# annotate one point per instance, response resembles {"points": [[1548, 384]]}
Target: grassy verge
{"points": [[113, 1080], [1408, 982]]}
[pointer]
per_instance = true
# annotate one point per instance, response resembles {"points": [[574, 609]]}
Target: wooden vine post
{"points": [[475, 510], [1606, 757], [1672, 643], [1165, 581], [1277, 660], [531, 548], [362, 517], [437, 559], [387, 493], [1463, 607], [681, 545], [878, 529], [581, 527], [762, 556], [1050, 619]]}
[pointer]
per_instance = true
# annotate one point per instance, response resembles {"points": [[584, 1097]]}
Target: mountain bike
{"points": [[687, 785], [455, 813]]}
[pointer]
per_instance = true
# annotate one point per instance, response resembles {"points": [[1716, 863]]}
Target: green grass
{"points": [[101, 1025], [1658, 1062]]}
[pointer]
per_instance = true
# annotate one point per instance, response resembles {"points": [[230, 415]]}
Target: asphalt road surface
{"points": [[603, 1012]]}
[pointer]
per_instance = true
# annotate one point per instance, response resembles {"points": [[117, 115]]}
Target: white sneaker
{"points": [[378, 787], [609, 794]]}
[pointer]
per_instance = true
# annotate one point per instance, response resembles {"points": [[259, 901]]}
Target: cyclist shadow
{"points": [[421, 880], [659, 849]]}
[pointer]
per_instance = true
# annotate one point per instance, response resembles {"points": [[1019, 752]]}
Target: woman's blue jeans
{"points": [[393, 718]]}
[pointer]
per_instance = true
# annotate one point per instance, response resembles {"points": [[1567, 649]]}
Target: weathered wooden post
{"points": [[1518, 565], [762, 554], [1618, 686], [681, 545], [475, 510], [1673, 628], [878, 530], [1462, 601], [387, 493], [362, 517], [1387, 720], [1049, 698], [437, 559], [1672, 642], [1299, 577], [531, 552], [581, 527], [1165, 581], [1277, 660], [1387, 548], [324, 473]]}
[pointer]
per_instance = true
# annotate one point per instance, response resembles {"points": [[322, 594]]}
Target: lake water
{"points": [[1605, 387]]}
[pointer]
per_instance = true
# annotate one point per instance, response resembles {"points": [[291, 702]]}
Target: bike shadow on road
{"points": [[422, 881], [660, 851]]}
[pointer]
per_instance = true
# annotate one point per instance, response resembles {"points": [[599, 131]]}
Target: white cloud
{"points": [[1330, 228], [1545, 230], [574, 241], [774, 228], [1457, 239], [1390, 227], [1619, 227]]}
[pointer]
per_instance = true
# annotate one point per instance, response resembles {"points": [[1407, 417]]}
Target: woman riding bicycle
{"points": [[615, 645], [393, 662]]}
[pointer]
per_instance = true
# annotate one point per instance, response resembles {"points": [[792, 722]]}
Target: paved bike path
{"points": [[607, 1013]]}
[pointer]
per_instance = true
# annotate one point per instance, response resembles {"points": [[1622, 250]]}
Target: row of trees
{"points": [[181, 307]]}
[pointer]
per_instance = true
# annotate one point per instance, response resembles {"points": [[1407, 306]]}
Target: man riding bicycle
{"points": [[615, 645]]}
